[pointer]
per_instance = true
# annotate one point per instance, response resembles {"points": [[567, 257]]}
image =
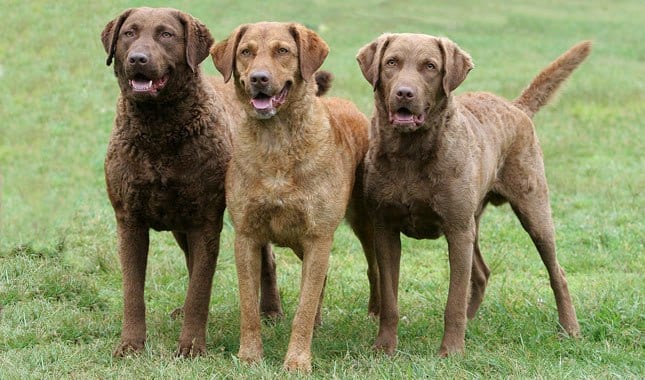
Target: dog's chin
{"points": [[266, 106]]}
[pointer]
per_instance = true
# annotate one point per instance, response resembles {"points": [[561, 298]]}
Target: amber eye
{"points": [[283, 50], [245, 52], [128, 33], [166, 34]]}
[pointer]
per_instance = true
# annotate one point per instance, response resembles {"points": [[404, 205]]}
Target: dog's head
{"points": [[271, 63], [154, 50], [412, 74]]}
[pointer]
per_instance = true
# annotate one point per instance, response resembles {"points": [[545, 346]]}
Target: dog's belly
{"points": [[414, 219]]}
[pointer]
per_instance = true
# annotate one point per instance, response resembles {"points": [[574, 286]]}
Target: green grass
{"points": [[60, 290]]}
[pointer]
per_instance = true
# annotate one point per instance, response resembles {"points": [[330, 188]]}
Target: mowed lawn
{"points": [[60, 282]]}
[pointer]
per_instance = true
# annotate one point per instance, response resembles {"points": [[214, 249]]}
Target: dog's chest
{"points": [[415, 218], [167, 192], [286, 206], [406, 200]]}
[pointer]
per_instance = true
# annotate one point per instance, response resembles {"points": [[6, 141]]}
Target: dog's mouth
{"points": [[266, 106], [406, 118], [142, 84]]}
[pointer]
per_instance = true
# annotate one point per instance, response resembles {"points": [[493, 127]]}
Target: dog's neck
{"points": [[421, 144]]}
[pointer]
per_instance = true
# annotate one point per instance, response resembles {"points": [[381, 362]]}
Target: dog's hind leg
{"points": [[478, 277], [182, 241], [364, 231], [535, 216], [270, 304], [530, 202]]}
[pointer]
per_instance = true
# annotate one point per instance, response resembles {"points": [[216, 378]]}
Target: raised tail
{"points": [[547, 82], [323, 80]]}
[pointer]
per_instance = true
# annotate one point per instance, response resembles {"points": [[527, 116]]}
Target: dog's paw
{"points": [[272, 317], [386, 344], [191, 349], [128, 347], [298, 363], [177, 313], [250, 355], [445, 350]]}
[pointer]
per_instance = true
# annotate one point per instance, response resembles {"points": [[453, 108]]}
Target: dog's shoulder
{"points": [[349, 124]]}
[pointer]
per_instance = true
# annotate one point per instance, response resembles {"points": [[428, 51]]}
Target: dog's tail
{"points": [[547, 82], [323, 80]]}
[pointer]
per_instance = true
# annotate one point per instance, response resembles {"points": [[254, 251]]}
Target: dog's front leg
{"points": [[203, 249], [460, 253], [248, 260], [315, 261], [387, 244], [133, 243]]}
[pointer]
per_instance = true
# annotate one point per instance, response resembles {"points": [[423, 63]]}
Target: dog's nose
{"points": [[260, 77], [138, 58], [405, 92]]}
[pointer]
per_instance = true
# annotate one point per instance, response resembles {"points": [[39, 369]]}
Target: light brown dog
{"points": [[295, 171], [436, 161], [166, 163]]}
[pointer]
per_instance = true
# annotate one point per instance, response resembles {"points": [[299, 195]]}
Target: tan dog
{"points": [[436, 161], [296, 161], [166, 163]]}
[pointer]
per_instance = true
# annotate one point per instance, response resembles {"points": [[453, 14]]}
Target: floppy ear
{"points": [[223, 53], [312, 50], [197, 38], [456, 65], [110, 34], [369, 58]]}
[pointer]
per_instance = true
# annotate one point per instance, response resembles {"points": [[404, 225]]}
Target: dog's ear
{"points": [[369, 58], [456, 65], [223, 53], [110, 34], [312, 50], [197, 38]]}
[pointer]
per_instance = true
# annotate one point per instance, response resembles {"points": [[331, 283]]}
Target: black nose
{"points": [[138, 58], [405, 92], [260, 77]]}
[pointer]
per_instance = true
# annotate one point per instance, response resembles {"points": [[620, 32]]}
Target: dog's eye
{"points": [[245, 52], [166, 34], [283, 50], [391, 62], [128, 33], [431, 66]]}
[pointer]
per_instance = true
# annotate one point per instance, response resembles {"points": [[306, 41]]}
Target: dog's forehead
{"points": [[412, 44], [267, 32], [152, 17]]}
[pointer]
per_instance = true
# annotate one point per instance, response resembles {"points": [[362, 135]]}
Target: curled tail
{"points": [[323, 80], [547, 82]]}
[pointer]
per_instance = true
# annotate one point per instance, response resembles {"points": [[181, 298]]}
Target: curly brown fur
{"points": [[436, 160], [166, 161]]}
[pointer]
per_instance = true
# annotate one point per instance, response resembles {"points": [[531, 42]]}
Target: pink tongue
{"points": [[403, 117], [138, 85], [261, 103]]}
